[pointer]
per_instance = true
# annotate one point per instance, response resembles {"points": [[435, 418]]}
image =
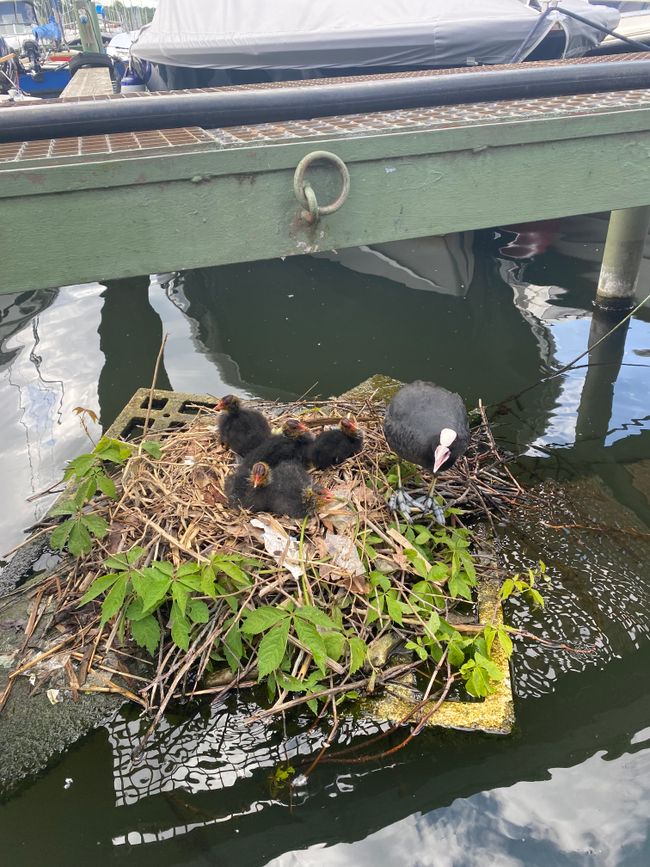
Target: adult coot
{"points": [[240, 429], [426, 425], [293, 444], [286, 489], [336, 445]]}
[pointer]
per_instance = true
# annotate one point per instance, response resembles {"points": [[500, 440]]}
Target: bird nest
{"points": [[313, 608]]}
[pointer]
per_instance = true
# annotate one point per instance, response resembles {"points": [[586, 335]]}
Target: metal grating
{"points": [[438, 117], [94, 145], [324, 82]]}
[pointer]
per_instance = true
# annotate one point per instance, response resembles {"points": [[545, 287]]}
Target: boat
{"points": [[29, 61], [202, 43]]}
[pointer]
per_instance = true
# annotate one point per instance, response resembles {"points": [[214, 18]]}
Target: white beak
{"points": [[441, 454]]}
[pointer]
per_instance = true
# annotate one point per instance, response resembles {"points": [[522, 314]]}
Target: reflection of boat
{"points": [[438, 264], [209, 42]]}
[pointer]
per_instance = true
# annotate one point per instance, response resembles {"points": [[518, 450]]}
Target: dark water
{"points": [[571, 786]]}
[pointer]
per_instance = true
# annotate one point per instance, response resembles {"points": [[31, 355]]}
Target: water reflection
{"points": [[515, 306], [563, 821]]}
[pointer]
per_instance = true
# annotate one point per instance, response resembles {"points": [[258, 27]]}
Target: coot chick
{"points": [[293, 444], [336, 445], [284, 490], [426, 425], [240, 429]]}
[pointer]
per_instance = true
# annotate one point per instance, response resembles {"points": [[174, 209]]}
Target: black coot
{"points": [[293, 444], [336, 445], [426, 425], [240, 429]]}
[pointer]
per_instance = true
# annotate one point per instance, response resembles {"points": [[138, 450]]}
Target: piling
{"points": [[622, 256], [88, 23]]}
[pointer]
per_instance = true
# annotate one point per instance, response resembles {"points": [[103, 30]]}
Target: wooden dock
{"points": [[109, 206]]}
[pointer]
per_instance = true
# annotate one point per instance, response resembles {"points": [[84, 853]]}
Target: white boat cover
{"points": [[331, 34]]}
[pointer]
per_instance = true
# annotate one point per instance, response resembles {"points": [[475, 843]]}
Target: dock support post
{"points": [[622, 258], [91, 39]]}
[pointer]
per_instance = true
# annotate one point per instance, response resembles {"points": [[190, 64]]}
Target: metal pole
{"points": [[619, 271], [88, 24]]}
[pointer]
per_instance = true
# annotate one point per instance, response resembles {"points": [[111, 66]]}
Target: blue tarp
{"points": [[50, 30]]}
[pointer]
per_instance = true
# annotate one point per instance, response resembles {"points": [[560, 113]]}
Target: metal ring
{"points": [[304, 192]]}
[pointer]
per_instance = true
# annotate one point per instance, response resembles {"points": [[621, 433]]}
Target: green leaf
{"points": [[67, 507], [433, 624], [334, 645], [394, 609], [313, 641], [95, 524], [188, 569], [120, 562], [270, 652], [290, 683], [163, 567], [180, 628], [377, 579], [112, 450], [438, 572], [458, 586], [114, 599], [198, 611], [60, 535], [192, 582], [98, 586], [232, 571], [80, 466], [151, 586], [505, 641], [233, 648], [79, 541], [468, 566], [316, 616], [506, 589], [106, 486], [455, 654], [180, 596], [358, 652], [312, 704], [208, 581], [135, 610], [536, 597], [86, 491], [478, 683], [371, 615], [493, 671], [261, 619], [146, 633], [418, 648], [152, 447]]}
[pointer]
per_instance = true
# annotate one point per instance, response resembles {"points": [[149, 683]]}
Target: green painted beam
{"points": [[77, 219]]}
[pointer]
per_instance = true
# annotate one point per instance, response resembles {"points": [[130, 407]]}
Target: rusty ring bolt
{"points": [[306, 196]]}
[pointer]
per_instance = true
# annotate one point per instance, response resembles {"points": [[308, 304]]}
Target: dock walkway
{"points": [[110, 206]]}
